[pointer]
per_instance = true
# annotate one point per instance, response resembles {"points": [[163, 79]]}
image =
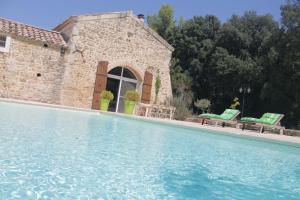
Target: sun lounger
{"points": [[227, 117], [268, 120]]}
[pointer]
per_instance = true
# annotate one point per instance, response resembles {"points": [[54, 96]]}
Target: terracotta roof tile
{"points": [[28, 31]]}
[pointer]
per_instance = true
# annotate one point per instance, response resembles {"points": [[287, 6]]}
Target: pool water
{"points": [[50, 153]]}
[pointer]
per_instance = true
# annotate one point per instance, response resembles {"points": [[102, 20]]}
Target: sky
{"points": [[49, 13]]}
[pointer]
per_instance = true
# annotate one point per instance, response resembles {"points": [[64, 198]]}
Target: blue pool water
{"points": [[48, 153]]}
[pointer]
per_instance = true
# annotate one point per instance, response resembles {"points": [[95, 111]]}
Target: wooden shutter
{"points": [[147, 86], [100, 83]]}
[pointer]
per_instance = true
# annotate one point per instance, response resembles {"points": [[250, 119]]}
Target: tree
{"points": [[281, 91], [163, 22], [212, 60], [291, 14], [194, 41]]}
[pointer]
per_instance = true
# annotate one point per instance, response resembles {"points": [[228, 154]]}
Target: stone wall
{"points": [[20, 66], [122, 40]]}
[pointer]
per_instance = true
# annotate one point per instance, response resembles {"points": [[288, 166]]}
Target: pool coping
{"points": [[282, 139]]}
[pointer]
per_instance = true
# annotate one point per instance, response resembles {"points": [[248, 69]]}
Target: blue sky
{"points": [[49, 13]]}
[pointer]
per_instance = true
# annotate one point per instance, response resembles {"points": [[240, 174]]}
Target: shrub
{"points": [[132, 95], [107, 95], [182, 108], [235, 104], [203, 104], [157, 86]]}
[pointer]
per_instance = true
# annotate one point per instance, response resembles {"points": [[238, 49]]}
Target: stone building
{"points": [[82, 56]]}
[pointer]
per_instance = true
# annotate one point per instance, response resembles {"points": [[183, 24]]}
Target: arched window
{"points": [[122, 72], [119, 80]]}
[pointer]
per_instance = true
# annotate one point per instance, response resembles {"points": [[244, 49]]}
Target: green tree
{"points": [[194, 41], [281, 90], [212, 60], [163, 22], [290, 13]]}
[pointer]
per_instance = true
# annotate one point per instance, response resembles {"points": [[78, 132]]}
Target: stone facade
{"points": [[119, 38], [30, 71]]}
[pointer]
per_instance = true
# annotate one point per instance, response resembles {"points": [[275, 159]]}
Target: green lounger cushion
{"points": [[249, 119], [228, 114], [210, 115], [269, 118]]}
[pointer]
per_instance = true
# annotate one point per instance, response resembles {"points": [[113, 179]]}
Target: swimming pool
{"points": [[51, 153]]}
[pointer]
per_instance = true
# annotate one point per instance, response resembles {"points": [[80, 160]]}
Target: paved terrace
{"points": [[283, 139]]}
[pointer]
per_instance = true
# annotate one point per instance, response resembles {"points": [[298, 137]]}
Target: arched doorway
{"points": [[119, 80]]}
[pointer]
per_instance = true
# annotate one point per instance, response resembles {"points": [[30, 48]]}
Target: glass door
{"points": [[125, 85], [113, 86]]}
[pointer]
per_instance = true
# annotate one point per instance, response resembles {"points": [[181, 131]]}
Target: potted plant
{"points": [[105, 98], [131, 98]]}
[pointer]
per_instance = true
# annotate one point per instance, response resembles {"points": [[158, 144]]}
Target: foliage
{"points": [[282, 86], [203, 104], [182, 108], [291, 14], [212, 60], [132, 95], [157, 85], [107, 95], [235, 103], [163, 22]]}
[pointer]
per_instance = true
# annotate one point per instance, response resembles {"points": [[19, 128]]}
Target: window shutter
{"points": [[147, 86], [100, 83]]}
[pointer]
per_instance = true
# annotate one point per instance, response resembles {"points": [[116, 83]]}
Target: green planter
{"points": [[129, 107], [104, 103]]}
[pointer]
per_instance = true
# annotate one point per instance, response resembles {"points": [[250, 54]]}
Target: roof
{"points": [[31, 32], [110, 15]]}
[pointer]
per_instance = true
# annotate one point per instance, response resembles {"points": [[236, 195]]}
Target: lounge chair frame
{"points": [[232, 121], [262, 126]]}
